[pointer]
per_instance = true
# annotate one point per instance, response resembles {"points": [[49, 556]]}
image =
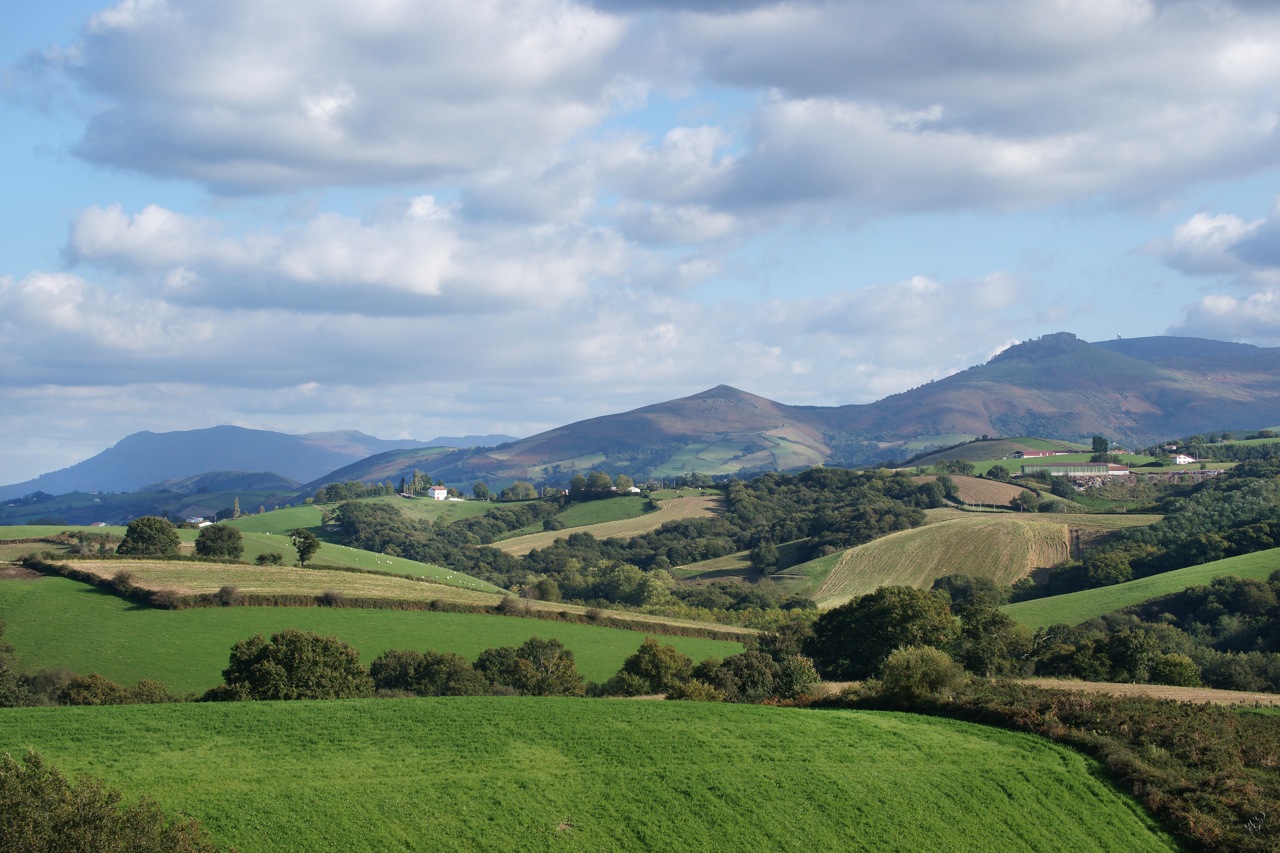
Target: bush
{"points": [[915, 672], [294, 665], [270, 558], [43, 811]]}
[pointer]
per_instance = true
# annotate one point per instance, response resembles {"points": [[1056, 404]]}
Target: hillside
{"points": [[1001, 546], [1076, 607], [481, 773]]}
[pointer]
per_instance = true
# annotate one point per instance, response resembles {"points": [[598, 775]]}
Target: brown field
{"points": [[197, 578], [675, 509], [977, 491], [1199, 695], [1001, 546]]}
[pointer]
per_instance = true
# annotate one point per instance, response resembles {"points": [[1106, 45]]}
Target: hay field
{"points": [[196, 578], [978, 491], [1003, 547], [676, 509], [997, 547]]}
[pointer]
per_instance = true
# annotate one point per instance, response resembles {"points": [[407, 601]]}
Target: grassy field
{"points": [[280, 521], [668, 510], [54, 623], [428, 509], [587, 513], [564, 774], [187, 578], [1003, 547], [1076, 607]]}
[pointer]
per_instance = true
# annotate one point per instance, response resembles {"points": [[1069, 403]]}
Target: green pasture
{"points": [[588, 774], [279, 521], [429, 509], [54, 622], [33, 531], [1076, 607], [610, 509]]}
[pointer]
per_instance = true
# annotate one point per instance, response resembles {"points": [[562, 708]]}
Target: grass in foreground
{"points": [[501, 774], [54, 622], [1076, 607]]}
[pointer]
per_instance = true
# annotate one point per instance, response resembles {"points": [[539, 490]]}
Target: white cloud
{"points": [[1246, 258], [414, 260], [258, 96], [1205, 244]]}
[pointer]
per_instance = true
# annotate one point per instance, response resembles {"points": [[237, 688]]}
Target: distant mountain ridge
{"points": [[148, 457], [1133, 391]]}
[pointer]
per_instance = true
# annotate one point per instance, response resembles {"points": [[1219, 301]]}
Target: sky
{"points": [[452, 217]]}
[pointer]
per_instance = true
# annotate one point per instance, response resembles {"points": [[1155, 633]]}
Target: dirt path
{"points": [[1159, 691]]}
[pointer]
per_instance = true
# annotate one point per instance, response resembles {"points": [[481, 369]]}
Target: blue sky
{"points": [[449, 217]]}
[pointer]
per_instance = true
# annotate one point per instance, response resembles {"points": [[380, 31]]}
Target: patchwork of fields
{"points": [[588, 774]]}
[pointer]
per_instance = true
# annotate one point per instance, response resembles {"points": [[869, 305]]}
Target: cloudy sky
{"points": [[468, 216]]}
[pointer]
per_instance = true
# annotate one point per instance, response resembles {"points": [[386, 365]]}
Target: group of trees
{"points": [[1224, 635]]}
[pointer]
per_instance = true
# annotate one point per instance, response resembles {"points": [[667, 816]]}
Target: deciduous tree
{"points": [[149, 536], [305, 543], [220, 541], [294, 665]]}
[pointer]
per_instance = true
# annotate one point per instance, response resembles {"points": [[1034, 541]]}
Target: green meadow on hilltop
{"points": [[564, 774]]}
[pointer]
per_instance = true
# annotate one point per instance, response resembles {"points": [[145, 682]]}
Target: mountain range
{"points": [[1135, 392], [182, 461]]}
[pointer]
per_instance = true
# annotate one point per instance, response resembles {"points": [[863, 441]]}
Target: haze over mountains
{"points": [[1134, 392], [163, 461]]}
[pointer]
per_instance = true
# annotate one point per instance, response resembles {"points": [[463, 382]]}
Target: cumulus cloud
{"points": [[416, 259], [908, 106], [251, 96], [1244, 256]]}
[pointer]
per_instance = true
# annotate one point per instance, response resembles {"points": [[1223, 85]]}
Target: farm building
{"points": [[438, 493], [1183, 459], [1075, 469], [1036, 454]]}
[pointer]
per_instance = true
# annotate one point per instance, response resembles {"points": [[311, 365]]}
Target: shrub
{"points": [[294, 665], [43, 811], [915, 672], [270, 558]]}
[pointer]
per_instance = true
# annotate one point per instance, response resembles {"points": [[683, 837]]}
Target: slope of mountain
{"points": [[1134, 392], [224, 481], [148, 457]]}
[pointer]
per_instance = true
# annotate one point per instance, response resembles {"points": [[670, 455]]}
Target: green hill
{"points": [[588, 774], [1076, 607]]}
